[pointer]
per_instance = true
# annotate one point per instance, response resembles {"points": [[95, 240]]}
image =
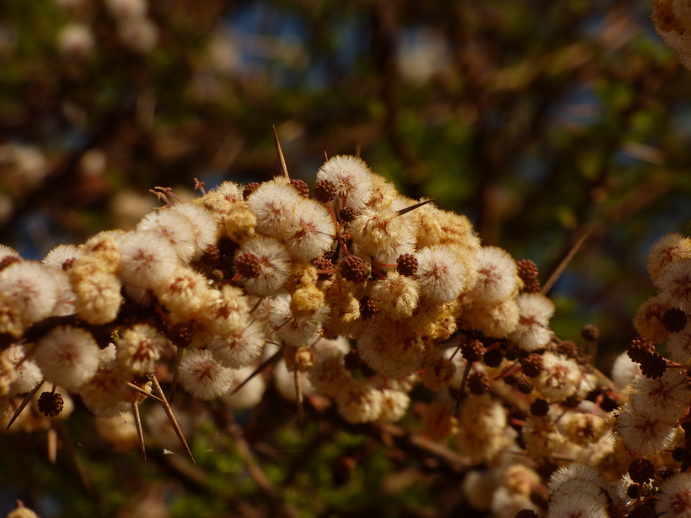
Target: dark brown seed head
{"points": [[641, 471], [325, 191], [568, 349], [539, 407], [473, 350], [478, 383], [674, 320], [50, 404], [493, 358], [248, 265], [354, 269], [406, 264], [301, 187], [368, 308], [181, 333], [347, 214], [571, 402], [323, 266], [527, 271], [639, 349], [653, 366], [590, 333], [531, 365]]}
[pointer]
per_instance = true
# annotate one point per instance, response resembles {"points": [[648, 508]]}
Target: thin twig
{"points": [[413, 207], [284, 167], [547, 286], [138, 425], [22, 406], [171, 416], [143, 392]]}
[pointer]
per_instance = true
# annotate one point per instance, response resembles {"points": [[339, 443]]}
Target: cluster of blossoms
{"points": [[364, 294]]}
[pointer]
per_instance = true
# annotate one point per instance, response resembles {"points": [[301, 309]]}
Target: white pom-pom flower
{"points": [[679, 345], [674, 284], [559, 377], [203, 376], [624, 370], [294, 330], [68, 356], [66, 298], [674, 499], [30, 289], [284, 381], [106, 393], [274, 204], [643, 432], [203, 224], [667, 397], [533, 332], [310, 231], [352, 178], [62, 255], [139, 347], [27, 373], [240, 349], [497, 276], [440, 273], [274, 262], [396, 295], [147, 260], [383, 235], [7, 251], [666, 250], [173, 226]]}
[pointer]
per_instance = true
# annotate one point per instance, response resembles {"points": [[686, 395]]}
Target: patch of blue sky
{"points": [[257, 21], [579, 106]]}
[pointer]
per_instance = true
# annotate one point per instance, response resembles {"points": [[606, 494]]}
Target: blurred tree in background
{"points": [[542, 121]]}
